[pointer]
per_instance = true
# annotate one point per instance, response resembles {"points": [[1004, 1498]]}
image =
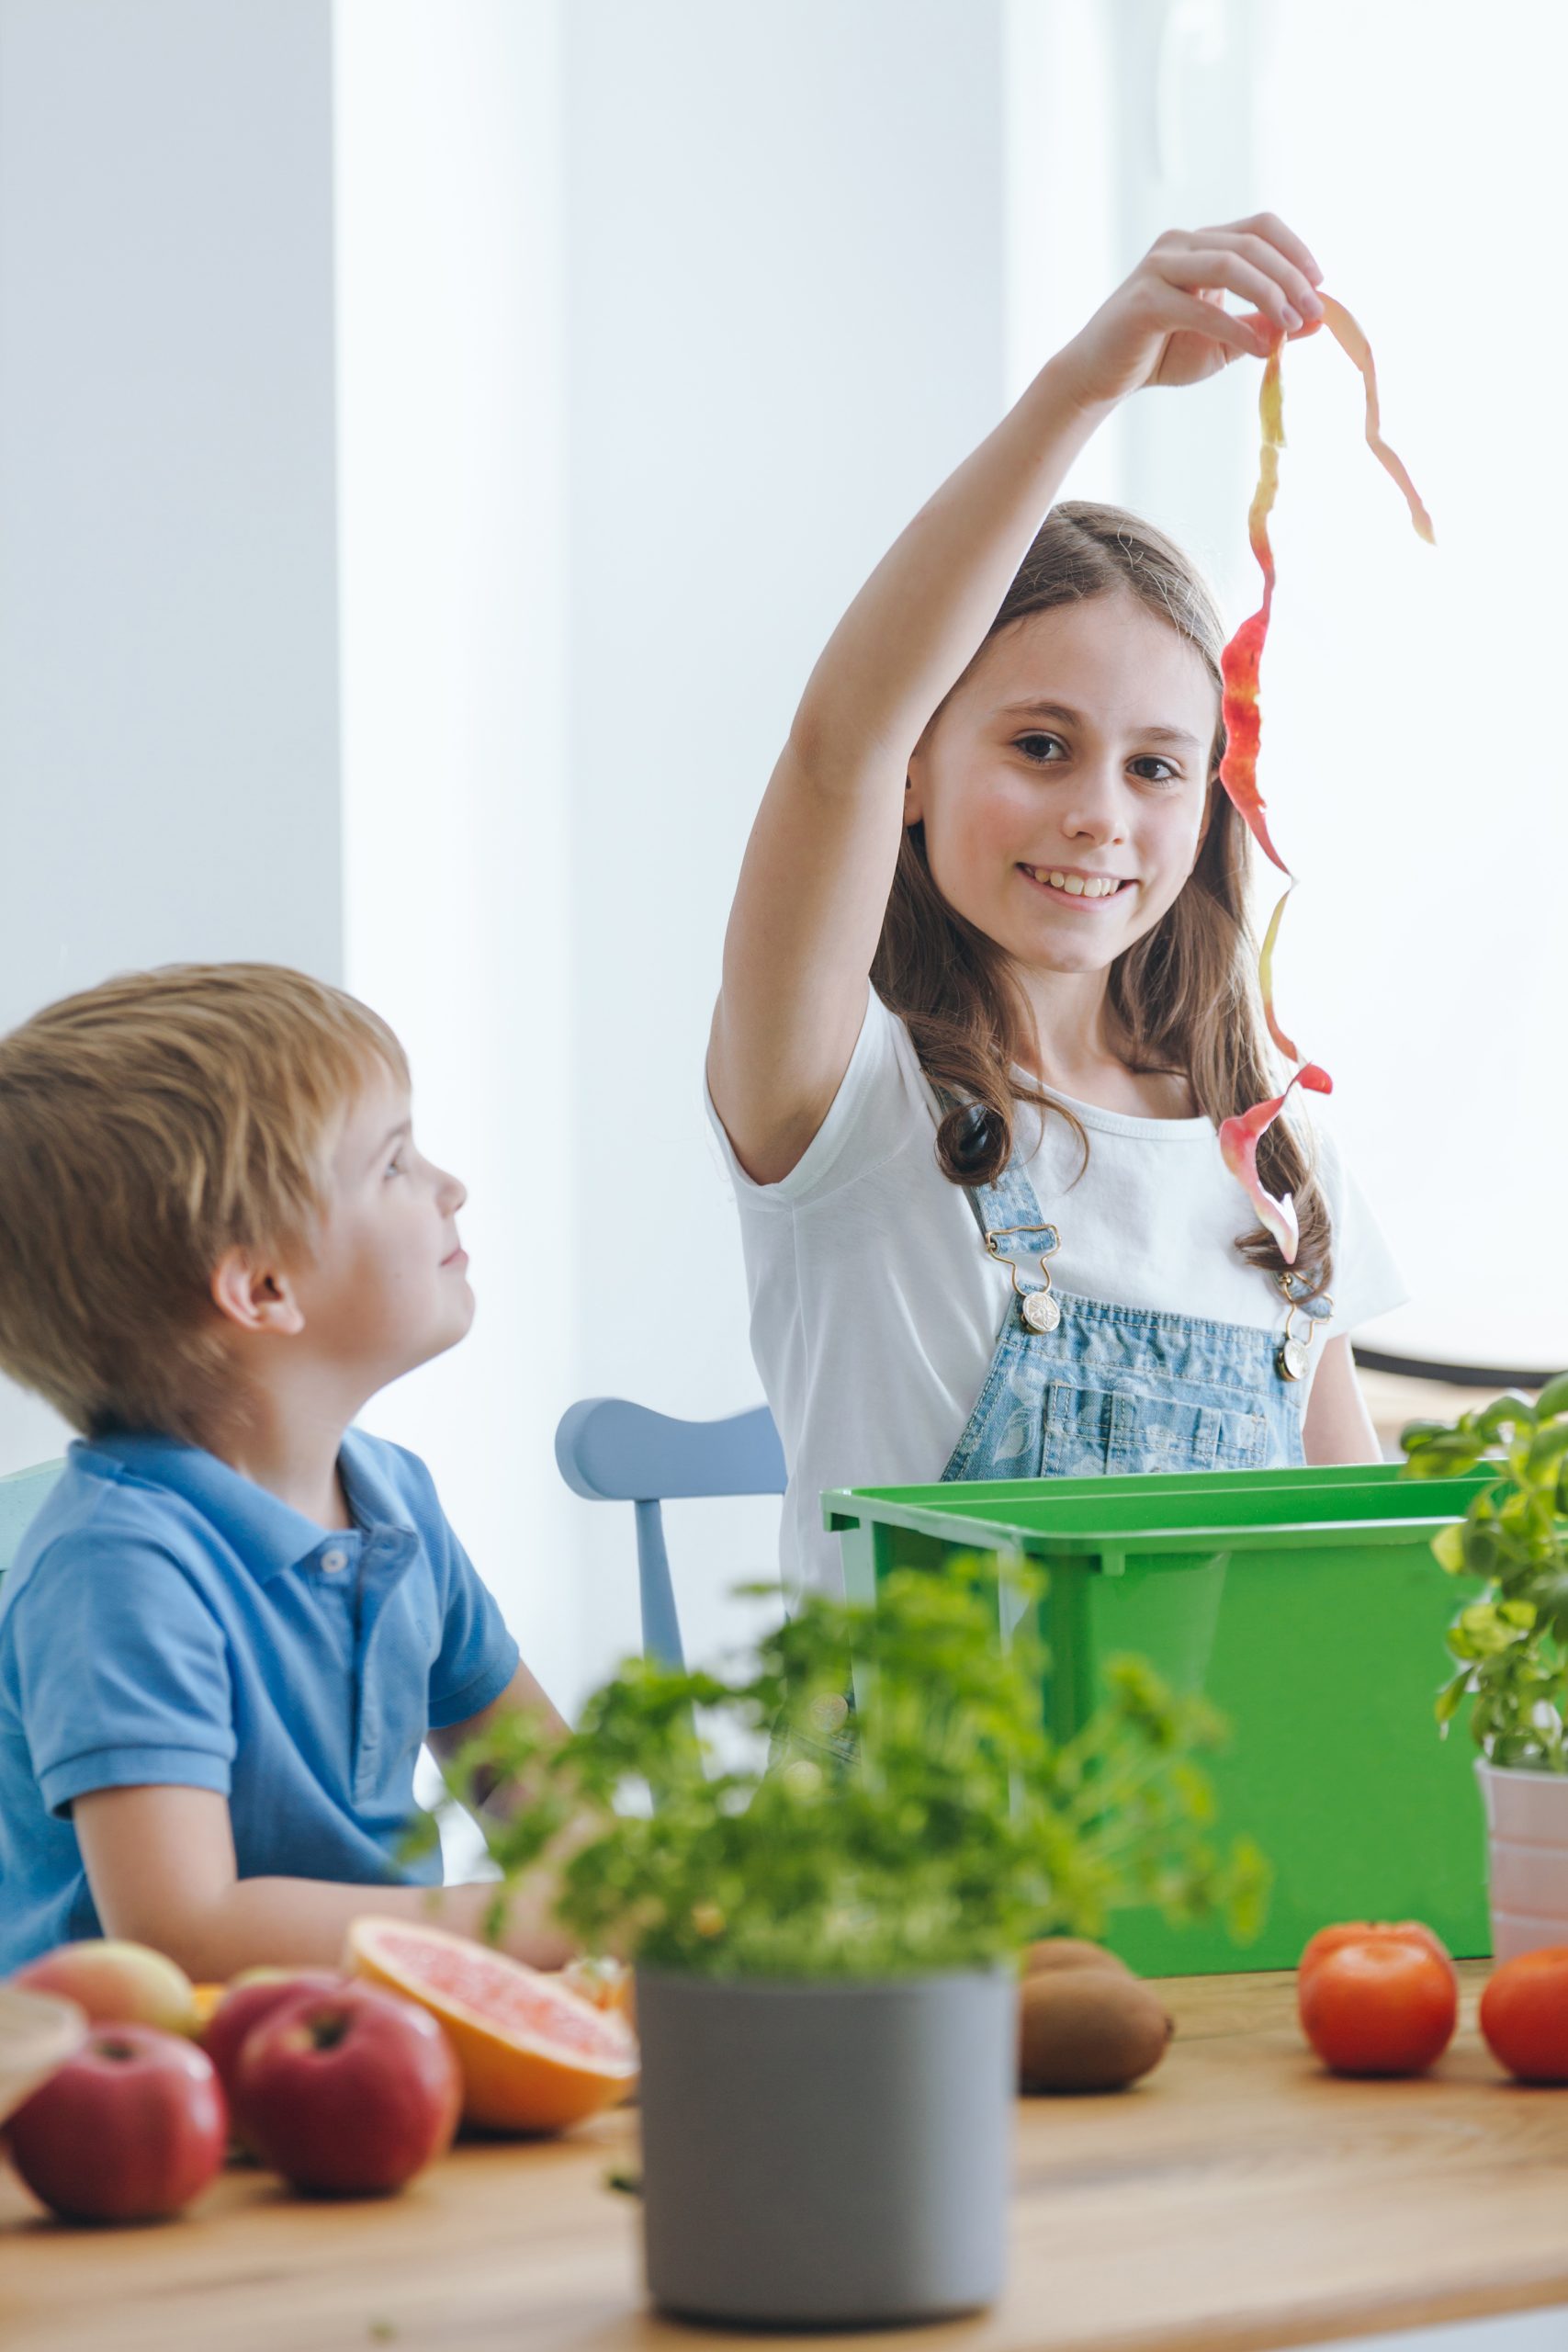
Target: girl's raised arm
{"points": [[819, 866]]}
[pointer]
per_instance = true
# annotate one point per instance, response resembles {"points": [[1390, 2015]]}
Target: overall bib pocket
{"points": [[1097, 1432]]}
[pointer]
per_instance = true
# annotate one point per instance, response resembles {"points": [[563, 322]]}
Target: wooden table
{"points": [[1238, 2199]]}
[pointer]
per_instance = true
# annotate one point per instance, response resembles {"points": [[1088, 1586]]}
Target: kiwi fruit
{"points": [[1070, 1951], [1088, 2029]]}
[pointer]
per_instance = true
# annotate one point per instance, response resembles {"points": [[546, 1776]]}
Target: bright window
{"points": [[1415, 776]]}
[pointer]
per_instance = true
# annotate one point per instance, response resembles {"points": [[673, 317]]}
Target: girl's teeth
{"points": [[1077, 888]]}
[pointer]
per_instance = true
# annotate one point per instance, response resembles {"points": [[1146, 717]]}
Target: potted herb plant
{"points": [[1511, 1644], [826, 1949]]}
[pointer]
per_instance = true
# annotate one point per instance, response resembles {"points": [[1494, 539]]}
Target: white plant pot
{"points": [[1526, 1832]]}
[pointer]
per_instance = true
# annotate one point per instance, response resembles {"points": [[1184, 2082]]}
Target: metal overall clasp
{"points": [[1292, 1357], [1040, 1309]]}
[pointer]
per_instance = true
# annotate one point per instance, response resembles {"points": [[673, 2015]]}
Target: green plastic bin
{"points": [[1307, 1607]]}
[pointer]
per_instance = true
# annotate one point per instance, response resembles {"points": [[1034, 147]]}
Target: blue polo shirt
{"points": [[169, 1622]]}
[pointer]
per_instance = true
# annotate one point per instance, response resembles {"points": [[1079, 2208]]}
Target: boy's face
{"points": [[389, 1288]]}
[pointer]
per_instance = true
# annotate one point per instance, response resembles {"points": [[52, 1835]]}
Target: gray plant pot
{"points": [[825, 2153]]}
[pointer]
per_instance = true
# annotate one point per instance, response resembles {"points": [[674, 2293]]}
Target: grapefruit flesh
{"points": [[536, 2056]]}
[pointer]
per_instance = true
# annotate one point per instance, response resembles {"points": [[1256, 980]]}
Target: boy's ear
{"points": [[255, 1296]]}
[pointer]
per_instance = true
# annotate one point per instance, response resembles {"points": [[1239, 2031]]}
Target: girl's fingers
{"points": [[1269, 226], [1297, 285], [1252, 334], [1267, 330], [1218, 265]]}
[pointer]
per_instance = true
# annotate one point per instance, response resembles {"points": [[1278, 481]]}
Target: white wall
{"points": [[168, 658], [656, 327], [456, 825], [786, 324]]}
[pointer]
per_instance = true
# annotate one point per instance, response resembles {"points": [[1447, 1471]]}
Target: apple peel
{"points": [[1240, 667], [1239, 1146], [1354, 344], [1287, 1045]]}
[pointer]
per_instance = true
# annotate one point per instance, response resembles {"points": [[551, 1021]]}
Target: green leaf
{"points": [[1445, 1457], [1481, 1548], [1547, 1448], [1553, 1398], [1448, 1545], [1508, 1412], [1451, 1696]]}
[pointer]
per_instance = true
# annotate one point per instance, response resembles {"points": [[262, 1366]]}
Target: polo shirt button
{"points": [[334, 1561]]}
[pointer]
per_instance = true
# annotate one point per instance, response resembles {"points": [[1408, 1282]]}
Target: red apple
{"points": [[118, 1984], [348, 2092], [129, 2130], [253, 1994]]}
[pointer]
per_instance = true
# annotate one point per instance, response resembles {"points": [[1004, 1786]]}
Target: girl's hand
{"points": [[1167, 324]]}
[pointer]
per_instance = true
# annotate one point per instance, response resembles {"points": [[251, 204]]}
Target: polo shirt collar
{"points": [[268, 1534]]}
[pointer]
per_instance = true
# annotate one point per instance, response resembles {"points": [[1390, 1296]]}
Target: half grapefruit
{"points": [[536, 2056]]}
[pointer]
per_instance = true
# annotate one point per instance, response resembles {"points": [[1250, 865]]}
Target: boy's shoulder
{"points": [[152, 1494], [98, 1496], [97, 1508]]}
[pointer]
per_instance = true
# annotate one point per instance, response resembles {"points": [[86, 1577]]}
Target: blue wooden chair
{"points": [[21, 1495], [615, 1451]]}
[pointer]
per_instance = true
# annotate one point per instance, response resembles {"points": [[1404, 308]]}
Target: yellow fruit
{"points": [[116, 1983], [204, 2000]]}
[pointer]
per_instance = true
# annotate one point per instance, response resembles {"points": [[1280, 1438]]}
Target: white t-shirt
{"points": [[875, 1307]]}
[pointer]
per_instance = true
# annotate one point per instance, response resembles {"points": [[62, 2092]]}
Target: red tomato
{"points": [[1359, 1931], [1523, 2014], [1382, 2005]]}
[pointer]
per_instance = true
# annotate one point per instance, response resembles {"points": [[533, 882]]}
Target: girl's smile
{"points": [[1077, 888]]}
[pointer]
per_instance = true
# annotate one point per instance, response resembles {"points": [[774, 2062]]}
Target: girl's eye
{"points": [[1150, 759], [395, 1168]]}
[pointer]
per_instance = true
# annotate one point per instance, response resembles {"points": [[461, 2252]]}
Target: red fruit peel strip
{"points": [[1354, 344], [1238, 1145], [1244, 655], [1240, 667]]}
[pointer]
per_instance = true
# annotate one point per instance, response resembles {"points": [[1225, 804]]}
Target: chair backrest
{"points": [[615, 1451], [21, 1497]]}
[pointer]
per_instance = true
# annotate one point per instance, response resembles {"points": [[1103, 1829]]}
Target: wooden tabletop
{"points": [[1239, 2199]]}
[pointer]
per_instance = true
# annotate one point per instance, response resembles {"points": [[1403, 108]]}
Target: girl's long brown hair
{"points": [[1183, 999]]}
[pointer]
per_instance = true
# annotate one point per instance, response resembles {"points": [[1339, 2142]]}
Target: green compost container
{"points": [[1306, 1605]]}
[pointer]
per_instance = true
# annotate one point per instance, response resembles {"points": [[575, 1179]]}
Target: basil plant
{"points": [[752, 1824], [1511, 1642]]}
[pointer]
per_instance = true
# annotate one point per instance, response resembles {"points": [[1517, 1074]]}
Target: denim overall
{"points": [[1117, 1390]]}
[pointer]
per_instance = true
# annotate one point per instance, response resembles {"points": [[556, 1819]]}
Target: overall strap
{"points": [[1006, 1205]]}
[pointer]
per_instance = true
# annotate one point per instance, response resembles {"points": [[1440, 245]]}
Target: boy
{"points": [[236, 1617]]}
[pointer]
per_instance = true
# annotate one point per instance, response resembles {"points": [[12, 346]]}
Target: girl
{"points": [[999, 804]]}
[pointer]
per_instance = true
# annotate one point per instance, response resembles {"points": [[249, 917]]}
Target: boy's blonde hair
{"points": [[147, 1126]]}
